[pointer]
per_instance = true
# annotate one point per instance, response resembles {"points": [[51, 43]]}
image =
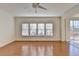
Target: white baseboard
{"points": [[8, 42]]}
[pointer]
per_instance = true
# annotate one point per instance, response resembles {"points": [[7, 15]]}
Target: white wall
{"points": [[6, 28]]}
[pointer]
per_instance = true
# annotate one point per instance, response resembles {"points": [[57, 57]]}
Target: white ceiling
{"points": [[25, 9], [76, 15]]}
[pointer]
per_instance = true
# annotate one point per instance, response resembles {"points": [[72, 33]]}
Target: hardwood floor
{"points": [[15, 48]]}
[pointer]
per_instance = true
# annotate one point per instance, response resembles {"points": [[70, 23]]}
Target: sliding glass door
{"points": [[74, 30], [74, 37]]}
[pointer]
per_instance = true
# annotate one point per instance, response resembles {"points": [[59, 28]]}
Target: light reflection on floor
{"points": [[74, 49], [37, 50]]}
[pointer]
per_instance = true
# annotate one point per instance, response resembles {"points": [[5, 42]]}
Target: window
{"points": [[74, 25], [37, 29], [25, 31], [40, 29], [33, 28], [49, 30]]}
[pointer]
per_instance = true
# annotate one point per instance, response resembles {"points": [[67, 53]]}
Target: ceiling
{"points": [[76, 15], [25, 9]]}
